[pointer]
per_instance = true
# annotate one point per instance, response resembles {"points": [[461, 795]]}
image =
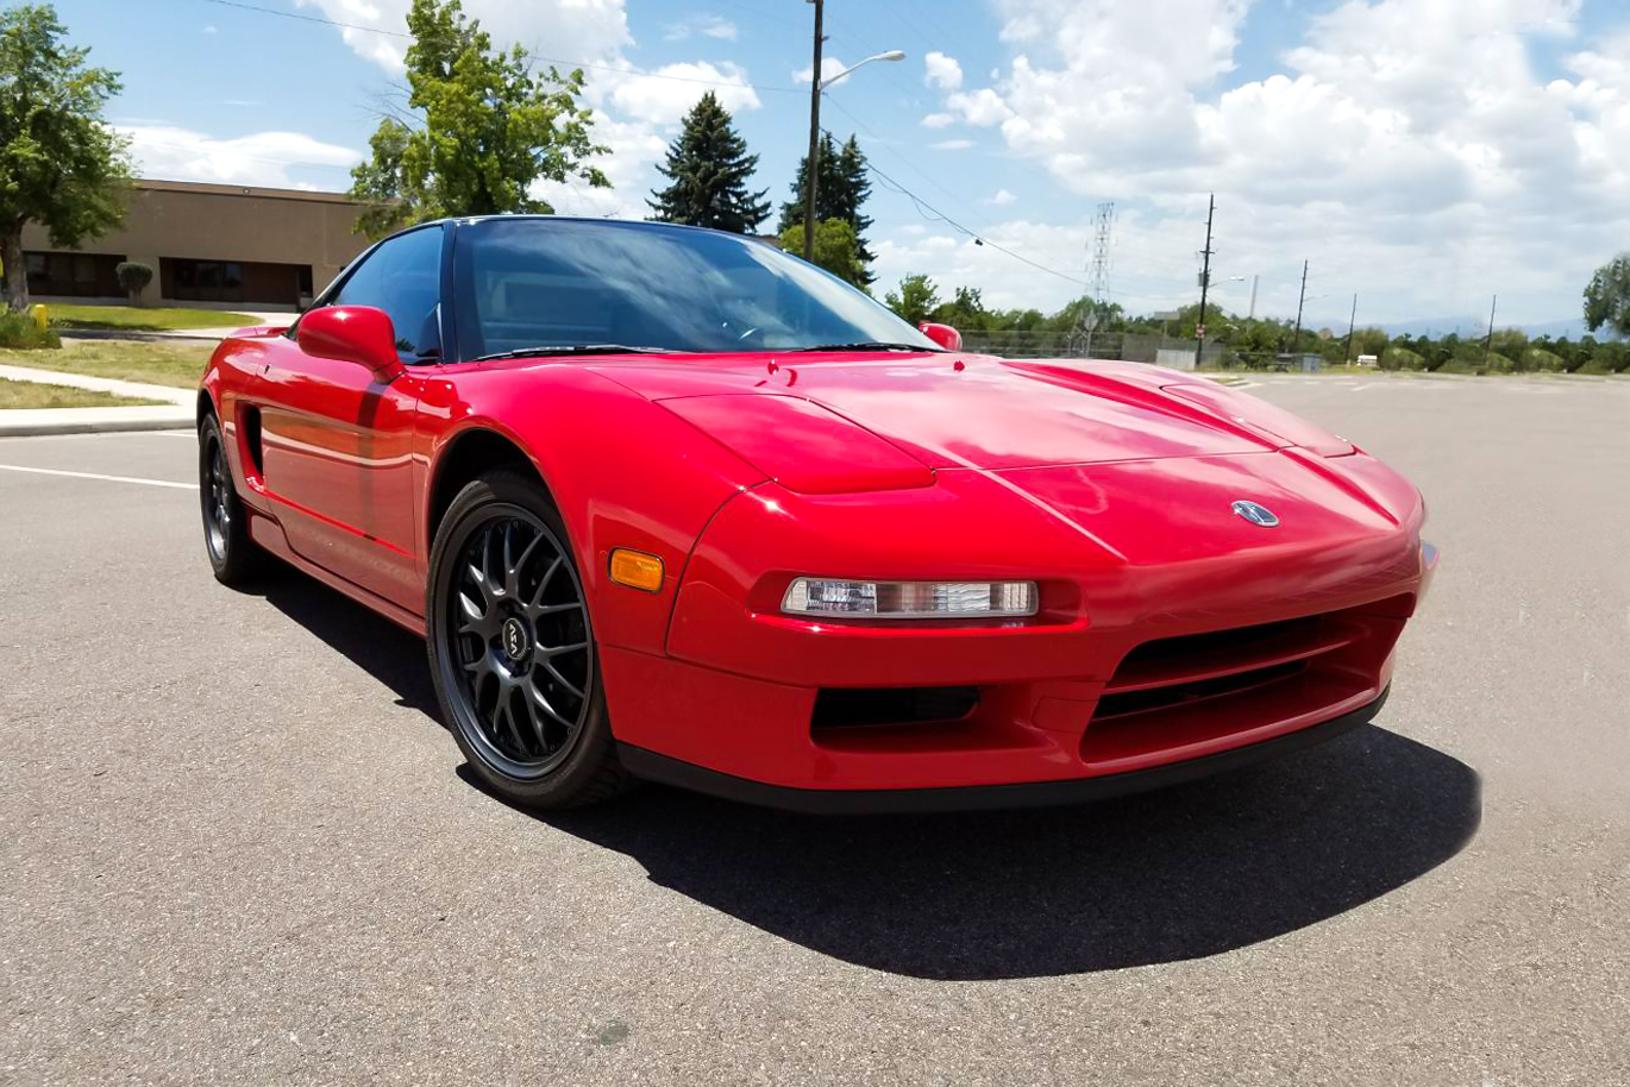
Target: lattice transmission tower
{"points": [[1098, 266]]}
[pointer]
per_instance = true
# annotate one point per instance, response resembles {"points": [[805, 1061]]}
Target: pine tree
{"points": [[708, 167], [843, 187]]}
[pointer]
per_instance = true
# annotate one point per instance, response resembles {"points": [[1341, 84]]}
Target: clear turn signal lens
{"points": [[811, 596]]}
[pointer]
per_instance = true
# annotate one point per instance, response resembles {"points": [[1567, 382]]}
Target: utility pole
{"points": [[812, 170], [1205, 283], [1488, 341], [1251, 314], [1347, 352], [1296, 337]]}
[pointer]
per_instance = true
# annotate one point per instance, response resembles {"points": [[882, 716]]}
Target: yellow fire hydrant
{"points": [[41, 318]]}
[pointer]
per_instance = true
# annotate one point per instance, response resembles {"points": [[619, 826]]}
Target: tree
{"points": [[60, 164], [134, 277], [708, 167], [484, 128], [965, 311], [915, 300], [835, 248], [842, 186], [1607, 296]]}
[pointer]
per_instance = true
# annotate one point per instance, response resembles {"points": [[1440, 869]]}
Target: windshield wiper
{"points": [[574, 349], [866, 345]]}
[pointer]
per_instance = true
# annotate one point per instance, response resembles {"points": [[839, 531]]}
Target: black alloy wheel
{"points": [[512, 649]]}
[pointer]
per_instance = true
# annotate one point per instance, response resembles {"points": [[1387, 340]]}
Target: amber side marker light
{"points": [[636, 569]]}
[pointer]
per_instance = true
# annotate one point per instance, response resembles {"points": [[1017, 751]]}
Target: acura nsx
{"points": [[667, 503]]}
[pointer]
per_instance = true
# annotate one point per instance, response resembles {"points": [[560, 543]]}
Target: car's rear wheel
{"points": [[233, 556], [512, 649]]}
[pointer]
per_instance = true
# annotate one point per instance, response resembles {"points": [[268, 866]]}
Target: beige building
{"points": [[209, 246]]}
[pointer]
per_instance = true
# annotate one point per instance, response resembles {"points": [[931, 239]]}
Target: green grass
{"points": [[30, 394], [179, 364], [142, 319]]}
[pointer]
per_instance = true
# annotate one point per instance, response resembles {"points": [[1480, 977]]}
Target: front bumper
{"points": [[1194, 646], [660, 768]]}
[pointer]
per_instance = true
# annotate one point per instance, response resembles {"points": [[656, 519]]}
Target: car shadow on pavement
{"points": [[390, 654], [1179, 873]]}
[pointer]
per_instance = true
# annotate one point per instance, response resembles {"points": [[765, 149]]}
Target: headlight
{"points": [[910, 599]]}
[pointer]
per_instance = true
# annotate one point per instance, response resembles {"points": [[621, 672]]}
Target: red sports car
{"points": [[668, 503]]}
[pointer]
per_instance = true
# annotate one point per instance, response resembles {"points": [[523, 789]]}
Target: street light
{"points": [[891, 55], [816, 86]]}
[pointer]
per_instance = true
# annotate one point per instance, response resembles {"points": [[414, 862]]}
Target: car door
{"points": [[337, 440]]}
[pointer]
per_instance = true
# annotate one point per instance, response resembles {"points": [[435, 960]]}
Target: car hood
{"points": [[952, 410]]}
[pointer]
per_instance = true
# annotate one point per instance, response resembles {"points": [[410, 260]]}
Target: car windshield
{"points": [[560, 283]]}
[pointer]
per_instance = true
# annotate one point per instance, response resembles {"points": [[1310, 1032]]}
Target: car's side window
{"points": [[403, 278]]}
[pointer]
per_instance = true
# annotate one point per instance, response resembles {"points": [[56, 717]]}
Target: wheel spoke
{"points": [[543, 704], [543, 583], [542, 653], [512, 572], [562, 680]]}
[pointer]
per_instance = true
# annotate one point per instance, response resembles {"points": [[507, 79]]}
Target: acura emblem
{"points": [[1257, 514]]}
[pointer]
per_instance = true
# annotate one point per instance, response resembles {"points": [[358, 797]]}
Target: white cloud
{"points": [[262, 158], [952, 145], [1000, 197], [1398, 135], [983, 107], [212, 29], [635, 147], [593, 31], [664, 96], [708, 26], [942, 72]]}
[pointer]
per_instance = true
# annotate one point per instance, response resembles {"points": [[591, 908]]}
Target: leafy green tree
{"points": [[1607, 296], [707, 169], [60, 164], [965, 311], [915, 299], [835, 248], [842, 186], [485, 127]]}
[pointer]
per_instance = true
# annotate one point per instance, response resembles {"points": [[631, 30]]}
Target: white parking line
{"points": [[96, 475]]}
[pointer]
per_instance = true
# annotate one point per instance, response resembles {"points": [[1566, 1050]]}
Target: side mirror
{"points": [[359, 334], [944, 335]]}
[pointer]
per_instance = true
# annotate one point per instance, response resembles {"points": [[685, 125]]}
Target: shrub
{"points": [[1537, 358], [1400, 358], [133, 277], [19, 331]]}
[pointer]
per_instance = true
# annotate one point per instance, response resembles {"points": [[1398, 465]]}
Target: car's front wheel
{"points": [[512, 650]]}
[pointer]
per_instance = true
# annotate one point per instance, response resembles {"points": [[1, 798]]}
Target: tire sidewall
{"points": [[592, 746]]}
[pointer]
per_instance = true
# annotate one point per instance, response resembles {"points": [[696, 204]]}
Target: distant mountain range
{"points": [[1468, 325]]}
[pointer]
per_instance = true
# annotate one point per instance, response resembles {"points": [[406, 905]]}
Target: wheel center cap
{"points": [[512, 636]]}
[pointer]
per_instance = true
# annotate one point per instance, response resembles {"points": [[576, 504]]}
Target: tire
{"points": [[512, 650], [233, 556]]}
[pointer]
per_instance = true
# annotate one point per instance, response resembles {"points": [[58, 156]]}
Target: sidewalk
{"points": [[179, 411]]}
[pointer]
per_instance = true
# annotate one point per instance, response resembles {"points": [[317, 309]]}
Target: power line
{"points": [[552, 60]]}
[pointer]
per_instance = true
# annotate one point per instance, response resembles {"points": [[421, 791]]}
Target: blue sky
{"points": [[1424, 154]]}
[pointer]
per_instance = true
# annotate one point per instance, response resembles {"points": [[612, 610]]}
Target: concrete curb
{"points": [[141, 390], [34, 422]]}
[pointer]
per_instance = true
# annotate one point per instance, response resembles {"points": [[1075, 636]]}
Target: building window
{"points": [[73, 275], [188, 280], [209, 280]]}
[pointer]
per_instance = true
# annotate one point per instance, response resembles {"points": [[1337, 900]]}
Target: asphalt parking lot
{"points": [[240, 848]]}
